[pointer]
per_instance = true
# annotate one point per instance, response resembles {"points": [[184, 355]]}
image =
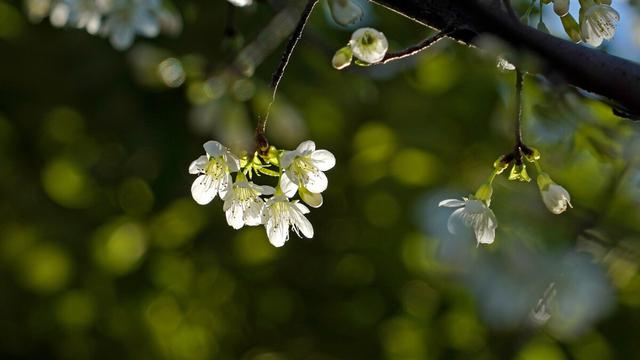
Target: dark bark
{"points": [[590, 69]]}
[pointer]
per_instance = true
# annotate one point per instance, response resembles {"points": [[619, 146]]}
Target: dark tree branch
{"points": [[389, 57], [518, 128], [590, 69]]}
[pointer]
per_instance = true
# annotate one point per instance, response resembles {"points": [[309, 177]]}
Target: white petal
{"points": [[122, 37], [287, 158], [306, 147], [147, 24], [323, 160], [277, 232], [234, 215], [266, 190], [315, 181], [303, 209], [223, 184], [287, 186], [345, 12], [451, 203], [203, 189], [198, 165], [456, 221], [301, 222], [214, 148], [253, 213], [232, 162]]}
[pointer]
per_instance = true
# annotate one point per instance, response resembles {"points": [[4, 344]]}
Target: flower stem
{"points": [[519, 110], [284, 61]]}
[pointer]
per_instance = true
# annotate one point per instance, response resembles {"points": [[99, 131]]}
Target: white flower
{"points": [[561, 7], [345, 12], [475, 214], [555, 197], [303, 168], [214, 170], [241, 3], [369, 45], [280, 213], [598, 23], [129, 18], [243, 204]]}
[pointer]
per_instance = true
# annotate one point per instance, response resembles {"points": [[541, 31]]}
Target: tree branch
{"points": [[425, 44], [590, 69]]}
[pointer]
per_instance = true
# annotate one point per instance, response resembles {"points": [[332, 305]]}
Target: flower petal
{"points": [[315, 181], [301, 222], [456, 221], [204, 189], [306, 147], [232, 162], [323, 160], [451, 203], [214, 148], [234, 215], [312, 199], [198, 165], [223, 184], [287, 186], [277, 232]]}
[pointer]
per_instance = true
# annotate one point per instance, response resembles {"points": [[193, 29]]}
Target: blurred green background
{"points": [[103, 253]]}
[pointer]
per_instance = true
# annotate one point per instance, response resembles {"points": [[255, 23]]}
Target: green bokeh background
{"points": [[103, 253]]}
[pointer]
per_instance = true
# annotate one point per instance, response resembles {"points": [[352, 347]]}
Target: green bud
{"points": [[519, 173], [531, 154], [571, 27], [544, 181], [272, 156], [484, 193], [501, 163], [342, 58]]}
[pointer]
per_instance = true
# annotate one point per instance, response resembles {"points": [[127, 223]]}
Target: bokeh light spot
{"points": [[67, 184], [119, 247], [45, 268]]}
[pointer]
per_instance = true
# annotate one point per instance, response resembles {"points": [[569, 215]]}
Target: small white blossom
{"points": [[555, 197], [82, 14], [598, 24], [130, 18], [474, 214], [214, 172], [279, 214], [345, 12], [241, 3], [243, 204], [303, 168], [369, 45]]}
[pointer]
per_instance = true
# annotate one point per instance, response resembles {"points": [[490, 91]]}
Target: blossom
{"points": [[473, 213], [243, 204], [214, 170], [241, 3], [555, 197], [345, 12], [369, 45], [79, 13], [342, 58], [279, 214], [127, 19], [598, 23], [303, 170]]}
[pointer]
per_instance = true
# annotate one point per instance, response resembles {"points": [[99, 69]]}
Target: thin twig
{"points": [[518, 128], [286, 55], [389, 57]]}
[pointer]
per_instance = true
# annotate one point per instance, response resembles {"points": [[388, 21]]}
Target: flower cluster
{"points": [[119, 20], [474, 211], [597, 21], [367, 45], [299, 171]]}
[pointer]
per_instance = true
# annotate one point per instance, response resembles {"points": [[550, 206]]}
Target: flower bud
{"points": [[369, 45], [342, 58], [519, 172], [345, 12], [572, 28], [555, 197], [561, 7]]}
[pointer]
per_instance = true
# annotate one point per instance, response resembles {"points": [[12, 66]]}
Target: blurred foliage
{"points": [[103, 254]]}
